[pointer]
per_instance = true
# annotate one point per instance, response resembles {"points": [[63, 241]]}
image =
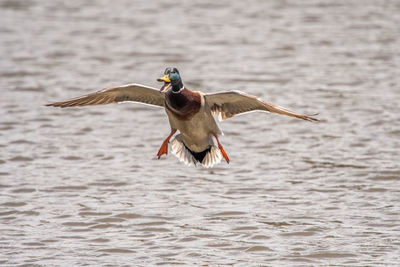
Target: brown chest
{"points": [[184, 105]]}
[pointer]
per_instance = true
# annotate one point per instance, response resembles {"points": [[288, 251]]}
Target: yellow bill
{"points": [[164, 78]]}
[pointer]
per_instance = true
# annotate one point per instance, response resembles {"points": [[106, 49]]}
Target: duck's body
{"points": [[196, 131], [195, 140], [189, 112]]}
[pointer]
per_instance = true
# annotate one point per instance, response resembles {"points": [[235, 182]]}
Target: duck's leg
{"points": [[164, 147], [222, 150]]}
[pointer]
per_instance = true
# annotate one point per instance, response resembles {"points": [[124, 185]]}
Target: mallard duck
{"points": [[190, 112]]}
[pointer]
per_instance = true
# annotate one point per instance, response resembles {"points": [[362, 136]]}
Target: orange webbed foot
{"points": [[224, 154], [164, 147]]}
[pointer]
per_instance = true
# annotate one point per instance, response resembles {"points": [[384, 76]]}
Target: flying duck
{"points": [[190, 112]]}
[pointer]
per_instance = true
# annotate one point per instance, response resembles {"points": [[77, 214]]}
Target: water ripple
{"points": [[82, 186]]}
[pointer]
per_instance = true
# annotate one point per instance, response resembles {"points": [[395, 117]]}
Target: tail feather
{"points": [[207, 158]]}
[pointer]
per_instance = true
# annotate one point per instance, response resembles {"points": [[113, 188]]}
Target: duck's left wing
{"points": [[231, 103], [130, 92]]}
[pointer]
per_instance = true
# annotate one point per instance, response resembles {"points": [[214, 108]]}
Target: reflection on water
{"points": [[83, 186]]}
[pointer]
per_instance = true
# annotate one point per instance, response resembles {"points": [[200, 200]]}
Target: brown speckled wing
{"points": [[231, 103], [129, 92]]}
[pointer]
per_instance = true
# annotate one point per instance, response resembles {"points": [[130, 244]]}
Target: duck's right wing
{"points": [[129, 92], [230, 103]]}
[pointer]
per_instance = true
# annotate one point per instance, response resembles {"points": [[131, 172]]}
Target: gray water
{"points": [[82, 186]]}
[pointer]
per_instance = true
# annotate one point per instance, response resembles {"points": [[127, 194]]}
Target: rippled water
{"points": [[82, 186]]}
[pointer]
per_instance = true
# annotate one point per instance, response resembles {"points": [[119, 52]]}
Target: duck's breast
{"points": [[185, 104]]}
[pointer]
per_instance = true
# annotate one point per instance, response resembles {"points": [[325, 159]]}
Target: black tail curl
{"points": [[199, 156]]}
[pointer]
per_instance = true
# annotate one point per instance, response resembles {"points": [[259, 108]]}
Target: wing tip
{"points": [[55, 104], [311, 118]]}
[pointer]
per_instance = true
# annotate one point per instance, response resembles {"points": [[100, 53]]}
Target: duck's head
{"points": [[171, 77]]}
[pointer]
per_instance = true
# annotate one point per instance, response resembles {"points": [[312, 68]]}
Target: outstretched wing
{"points": [[129, 92], [231, 103]]}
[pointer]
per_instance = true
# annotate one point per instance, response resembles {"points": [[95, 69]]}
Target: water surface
{"points": [[82, 186]]}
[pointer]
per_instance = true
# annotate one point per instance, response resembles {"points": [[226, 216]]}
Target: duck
{"points": [[192, 113]]}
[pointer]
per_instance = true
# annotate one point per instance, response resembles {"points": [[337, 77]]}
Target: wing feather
{"points": [[231, 103], [129, 92]]}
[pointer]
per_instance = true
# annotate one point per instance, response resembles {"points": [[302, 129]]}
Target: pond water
{"points": [[83, 186]]}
